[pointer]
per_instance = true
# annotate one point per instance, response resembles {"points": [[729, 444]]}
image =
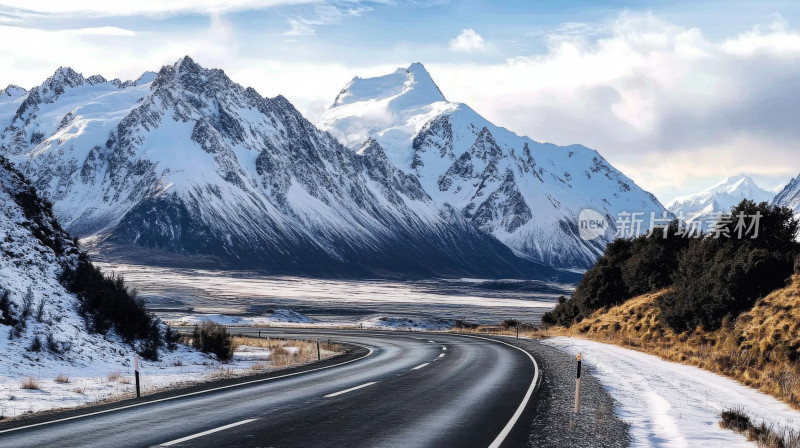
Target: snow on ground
{"points": [[90, 384], [406, 323], [289, 318], [275, 317], [673, 405]]}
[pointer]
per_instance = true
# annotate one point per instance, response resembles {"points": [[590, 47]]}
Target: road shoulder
{"points": [[552, 422]]}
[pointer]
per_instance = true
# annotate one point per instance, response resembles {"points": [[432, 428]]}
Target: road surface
{"points": [[407, 390]]}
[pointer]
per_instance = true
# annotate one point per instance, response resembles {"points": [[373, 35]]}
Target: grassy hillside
{"points": [[760, 348]]}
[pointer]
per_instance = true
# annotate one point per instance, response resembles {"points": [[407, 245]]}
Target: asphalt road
{"points": [[410, 390]]}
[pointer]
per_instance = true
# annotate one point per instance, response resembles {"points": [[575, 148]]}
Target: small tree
{"points": [[210, 337]]}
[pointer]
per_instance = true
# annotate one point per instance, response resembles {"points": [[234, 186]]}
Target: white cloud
{"points": [[139, 7], [299, 26], [669, 106], [468, 41], [101, 31], [323, 14]]}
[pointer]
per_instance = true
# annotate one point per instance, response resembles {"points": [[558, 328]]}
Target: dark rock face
{"points": [[200, 165]]}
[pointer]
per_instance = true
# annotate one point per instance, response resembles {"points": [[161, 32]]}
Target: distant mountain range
{"points": [[704, 207], [186, 161], [525, 193]]}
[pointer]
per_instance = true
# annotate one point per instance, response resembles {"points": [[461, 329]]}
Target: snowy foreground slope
{"points": [[34, 252], [674, 405], [702, 209], [190, 162], [527, 194]]}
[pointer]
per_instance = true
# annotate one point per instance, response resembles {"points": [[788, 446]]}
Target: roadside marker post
{"points": [[136, 373], [517, 327], [318, 354], [578, 385]]}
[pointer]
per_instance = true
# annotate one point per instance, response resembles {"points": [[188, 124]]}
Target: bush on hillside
{"points": [[711, 277], [627, 268], [107, 303], [725, 276], [210, 337]]}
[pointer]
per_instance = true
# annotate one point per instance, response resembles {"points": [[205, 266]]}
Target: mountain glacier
{"points": [[702, 208], [527, 194], [189, 162]]}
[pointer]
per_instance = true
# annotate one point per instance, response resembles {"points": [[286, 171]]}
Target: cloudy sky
{"points": [[677, 94]]}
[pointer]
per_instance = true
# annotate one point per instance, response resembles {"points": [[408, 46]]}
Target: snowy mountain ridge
{"points": [[703, 207], [789, 196], [525, 193], [190, 162]]}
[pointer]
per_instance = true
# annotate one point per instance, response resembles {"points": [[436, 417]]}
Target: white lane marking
{"points": [[349, 390], [210, 431], [432, 342], [444, 348], [514, 418], [442, 355], [191, 394], [420, 366]]}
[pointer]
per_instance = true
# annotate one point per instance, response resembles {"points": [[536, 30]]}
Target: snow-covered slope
{"points": [[704, 207], [191, 162], [42, 330], [789, 196], [527, 194]]}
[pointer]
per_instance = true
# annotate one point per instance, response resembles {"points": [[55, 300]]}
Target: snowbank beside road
{"points": [[673, 405], [69, 384]]}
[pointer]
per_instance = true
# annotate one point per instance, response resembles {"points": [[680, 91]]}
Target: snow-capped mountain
{"points": [[704, 207], [188, 161], [789, 196], [527, 194]]}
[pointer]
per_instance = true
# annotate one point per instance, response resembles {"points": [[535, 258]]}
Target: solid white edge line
{"points": [[205, 433], [160, 400], [510, 425], [350, 390], [420, 366]]}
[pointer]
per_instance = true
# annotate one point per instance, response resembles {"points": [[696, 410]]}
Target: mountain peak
{"points": [[739, 184], [406, 87], [720, 197], [12, 92], [65, 76]]}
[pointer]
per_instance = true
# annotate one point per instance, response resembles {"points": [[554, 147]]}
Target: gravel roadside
{"points": [[555, 424]]}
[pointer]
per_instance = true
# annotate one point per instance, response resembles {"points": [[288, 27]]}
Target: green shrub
{"points": [[711, 277], [210, 337], [720, 277], [107, 303]]}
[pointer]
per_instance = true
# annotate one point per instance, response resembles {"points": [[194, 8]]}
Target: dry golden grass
{"points": [[114, 375], [62, 378], [285, 353], [760, 349], [30, 383]]}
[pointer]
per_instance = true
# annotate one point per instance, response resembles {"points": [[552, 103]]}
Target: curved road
{"points": [[409, 390]]}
